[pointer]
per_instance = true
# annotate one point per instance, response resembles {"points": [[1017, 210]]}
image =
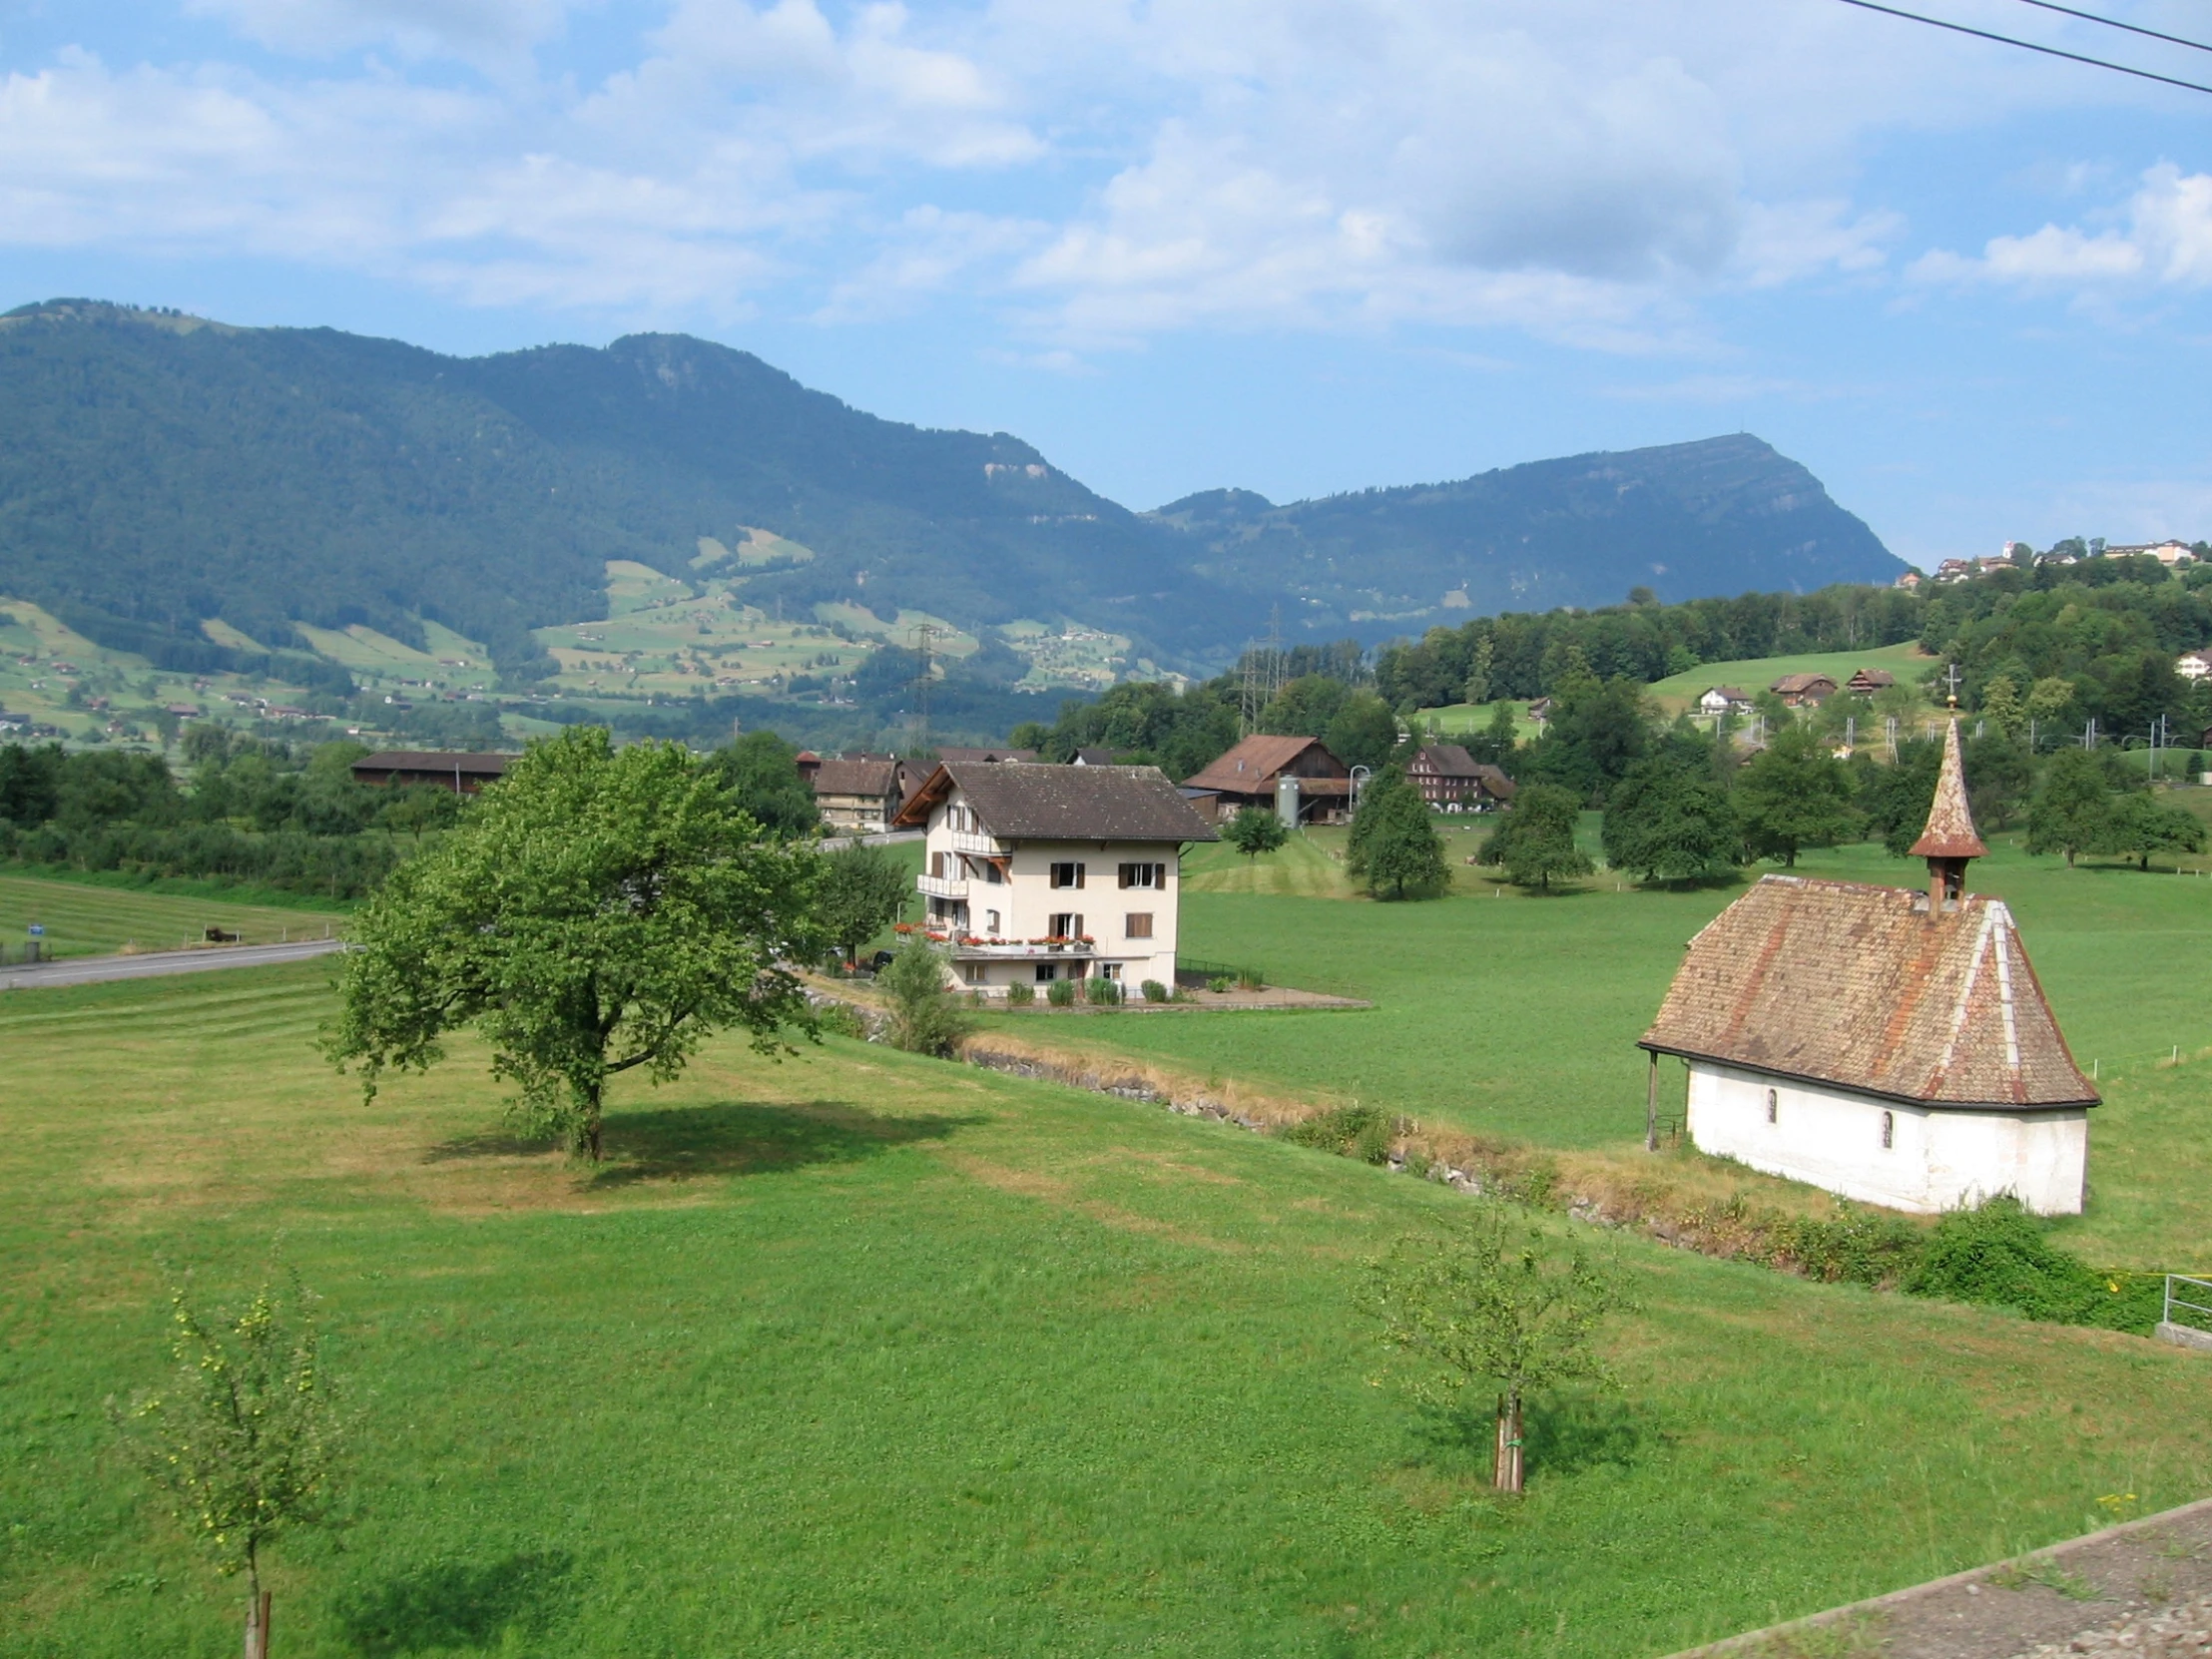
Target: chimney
{"points": [[1949, 844]]}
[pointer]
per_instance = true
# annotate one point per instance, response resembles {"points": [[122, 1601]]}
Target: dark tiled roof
{"points": [[435, 760], [869, 776], [1734, 694], [1950, 831], [993, 755], [1843, 983], [1250, 766], [1802, 682], [1447, 760], [1068, 803]]}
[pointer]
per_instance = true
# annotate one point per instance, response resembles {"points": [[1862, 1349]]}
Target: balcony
{"points": [[943, 887], [984, 846], [996, 951]]}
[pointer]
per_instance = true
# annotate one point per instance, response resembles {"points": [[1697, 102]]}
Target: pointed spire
{"points": [[1950, 833]]}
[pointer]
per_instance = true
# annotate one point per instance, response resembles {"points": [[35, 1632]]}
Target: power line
{"points": [[2028, 46], [2115, 23]]}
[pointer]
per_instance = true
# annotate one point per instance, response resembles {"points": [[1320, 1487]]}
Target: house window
{"points": [[1774, 1106], [1889, 1130], [993, 873], [1067, 876], [1137, 925], [1065, 925], [991, 923], [973, 971], [1109, 970], [1047, 972], [1144, 875]]}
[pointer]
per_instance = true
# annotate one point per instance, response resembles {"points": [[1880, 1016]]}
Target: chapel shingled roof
{"points": [[1039, 803], [1845, 983], [1950, 831]]}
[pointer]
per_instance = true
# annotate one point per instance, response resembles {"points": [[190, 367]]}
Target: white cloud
{"points": [[1104, 173], [2164, 239]]}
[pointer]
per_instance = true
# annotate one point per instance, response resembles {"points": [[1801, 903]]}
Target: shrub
{"points": [[1220, 983], [1101, 993], [1021, 996], [2001, 1256], [1361, 1132], [1154, 991], [1251, 979], [1856, 1247], [842, 1019], [1060, 993], [925, 1018]]}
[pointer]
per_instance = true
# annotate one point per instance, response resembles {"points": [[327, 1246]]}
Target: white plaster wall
{"points": [[1937, 1160], [1027, 901]]}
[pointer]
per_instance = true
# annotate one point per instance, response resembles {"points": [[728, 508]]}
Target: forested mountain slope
{"points": [[162, 471]]}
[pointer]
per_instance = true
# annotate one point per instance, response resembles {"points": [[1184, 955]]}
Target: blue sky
{"points": [[1288, 246]]}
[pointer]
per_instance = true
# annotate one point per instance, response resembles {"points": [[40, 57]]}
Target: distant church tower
{"points": [[1891, 1046]]}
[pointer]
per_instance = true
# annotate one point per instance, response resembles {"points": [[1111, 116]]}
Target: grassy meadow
{"points": [[1679, 691], [864, 1354], [83, 919], [1517, 1016]]}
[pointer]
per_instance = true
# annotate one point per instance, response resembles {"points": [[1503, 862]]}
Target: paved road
{"points": [[88, 970]]}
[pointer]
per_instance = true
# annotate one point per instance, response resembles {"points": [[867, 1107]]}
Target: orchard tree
{"points": [[2140, 824], [762, 771], [1494, 1302], [925, 1018], [1536, 843], [2072, 811], [245, 1440], [1255, 830], [599, 911], [864, 888], [1792, 796], [1667, 820], [1394, 844]]}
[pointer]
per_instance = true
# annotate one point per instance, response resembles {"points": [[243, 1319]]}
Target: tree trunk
{"points": [[256, 1609], [1507, 1463]]}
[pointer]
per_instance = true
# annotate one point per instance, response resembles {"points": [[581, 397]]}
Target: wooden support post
{"points": [[1651, 1105]]}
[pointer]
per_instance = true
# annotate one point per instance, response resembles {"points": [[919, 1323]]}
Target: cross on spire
{"points": [[1950, 677]]}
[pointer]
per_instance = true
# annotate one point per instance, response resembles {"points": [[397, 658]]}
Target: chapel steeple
{"points": [[1949, 844]]}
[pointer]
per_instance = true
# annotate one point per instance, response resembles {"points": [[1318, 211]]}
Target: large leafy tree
{"points": [[1597, 731], [1495, 1302], [1363, 732], [1793, 795], [762, 771], [598, 912], [862, 891], [2140, 824], [1255, 830], [1535, 843], [1668, 820], [2072, 811], [1394, 844]]}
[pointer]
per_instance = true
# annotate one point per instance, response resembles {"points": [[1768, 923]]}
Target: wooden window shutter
{"points": [[1079, 876]]}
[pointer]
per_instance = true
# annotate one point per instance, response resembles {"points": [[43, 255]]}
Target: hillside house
{"points": [[858, 795], [1891, 1046], [2194, 666], [1033, 873], [1723, 700], [1799, 690], [2169, 553], [1865, 682], [989, 757], [1453, 781], [397, 768], [1297, 777], [1908, 580]]}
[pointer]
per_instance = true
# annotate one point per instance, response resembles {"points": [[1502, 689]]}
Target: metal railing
{"points": [[2180, 1287]]}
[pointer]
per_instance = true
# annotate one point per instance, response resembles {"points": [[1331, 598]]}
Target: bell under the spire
{"points": [[1949, 841]]}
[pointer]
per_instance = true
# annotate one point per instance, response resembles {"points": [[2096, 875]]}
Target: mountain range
{"points": [[163, 472]]}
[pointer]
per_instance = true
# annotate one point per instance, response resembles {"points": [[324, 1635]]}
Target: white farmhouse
{"points": [[1888, 1045], [1040, 872]]}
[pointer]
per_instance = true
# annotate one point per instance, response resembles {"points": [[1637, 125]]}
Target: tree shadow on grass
{"points": [[458, 1604], [730, 1138], [1560, 1435]]}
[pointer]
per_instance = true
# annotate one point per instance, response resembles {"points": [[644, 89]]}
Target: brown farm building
{"points": [[462, 773], [1248, 776]]}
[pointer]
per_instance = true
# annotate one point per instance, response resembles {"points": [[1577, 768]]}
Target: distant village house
{"points": [[857, 796], [1723, 700], [1297, 777], [398, 768], [1798, 690], [1453, 781]]}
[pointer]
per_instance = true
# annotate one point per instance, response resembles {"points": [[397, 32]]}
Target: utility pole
{"points": [[925, 636]]}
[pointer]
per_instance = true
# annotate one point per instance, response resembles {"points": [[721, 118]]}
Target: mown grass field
{"points": [[1517, 1015], [82, 919], [866, 1354]]}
